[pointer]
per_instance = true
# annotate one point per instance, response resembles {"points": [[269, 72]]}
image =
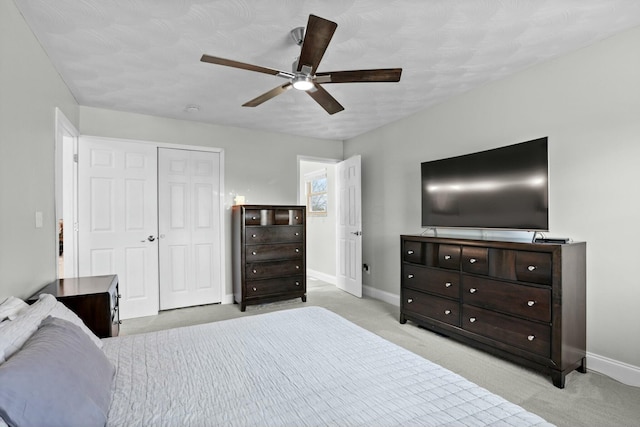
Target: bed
{"points": [[298, 367]]}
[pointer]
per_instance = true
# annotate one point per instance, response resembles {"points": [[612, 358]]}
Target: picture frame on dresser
{"points": [[524, 302]]}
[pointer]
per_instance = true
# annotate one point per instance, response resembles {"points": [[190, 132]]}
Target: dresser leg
{"points": [[583, 366], [558, 379], [304, 298], [243, 306], [403, 319]]}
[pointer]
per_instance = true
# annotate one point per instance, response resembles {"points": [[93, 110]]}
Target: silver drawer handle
{"points": [[409, 276], [255, 271], [447, 285], [296, 218], [254, 236], [410, 252], [254, 253], [253, 217], [297, 234], [531, 303], [473, 290], [531, 337], [447, 312], [531, 267], [472, 319], [297, 250], [473, 260], [297, 267], [297, 283], [447, 257], [255, 289], [409, 301]]}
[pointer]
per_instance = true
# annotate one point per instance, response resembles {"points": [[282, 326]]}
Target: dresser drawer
{"points": [[530, 336], [261, 270], [526, 301], [449, 257], [261, 288], [475, 260], [275, 234], [289, 216], [442, 309], [534, 267], [275, 251], [442, 282], [413, 252]]}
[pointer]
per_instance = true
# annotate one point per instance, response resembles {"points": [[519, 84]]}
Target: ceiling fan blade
{"points": [[360, 76], [235, 64], [325, 100], [316, 39], [268, 95]]}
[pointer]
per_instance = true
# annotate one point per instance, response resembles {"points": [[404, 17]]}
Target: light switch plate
{"points": [[39, 220]]}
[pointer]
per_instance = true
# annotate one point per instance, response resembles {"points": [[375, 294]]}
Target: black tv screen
{"points": [[502, 188]]}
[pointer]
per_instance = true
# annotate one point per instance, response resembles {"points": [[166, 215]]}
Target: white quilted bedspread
{"points": [[300, 367]]}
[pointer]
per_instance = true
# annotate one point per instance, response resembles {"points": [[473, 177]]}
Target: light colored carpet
{"points": [[589, 399]]}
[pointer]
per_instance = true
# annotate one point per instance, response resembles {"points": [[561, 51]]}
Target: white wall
{"points": [[321, 230], [30, 89], [588, 104], [261, 166]]}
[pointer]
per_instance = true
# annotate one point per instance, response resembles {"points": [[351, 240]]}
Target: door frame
{"points": [[226, 299], [65, 129], [334, 209]]}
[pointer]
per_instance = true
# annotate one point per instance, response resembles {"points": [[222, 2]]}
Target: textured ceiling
{"points": [[143, 56]]}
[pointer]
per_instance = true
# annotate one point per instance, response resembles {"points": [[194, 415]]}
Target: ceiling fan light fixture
{"points": [[302, 82]]}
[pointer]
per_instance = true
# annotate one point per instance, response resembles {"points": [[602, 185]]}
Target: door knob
{"points": [[150, 239]]}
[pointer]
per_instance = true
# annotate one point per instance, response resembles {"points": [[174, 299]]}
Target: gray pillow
{"points": [[58, 378]]}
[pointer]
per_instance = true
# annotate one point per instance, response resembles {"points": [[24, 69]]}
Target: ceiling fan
{"points": [[303, 75]]}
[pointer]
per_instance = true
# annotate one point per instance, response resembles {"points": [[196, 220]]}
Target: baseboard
{"points": [[387, 297], [227, 299], [322, 276], [619, 371]]}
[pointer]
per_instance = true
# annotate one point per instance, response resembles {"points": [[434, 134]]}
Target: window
{"points": [[317, 188]]}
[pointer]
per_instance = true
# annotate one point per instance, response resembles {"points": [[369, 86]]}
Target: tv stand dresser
{"points": [[524, 302]]}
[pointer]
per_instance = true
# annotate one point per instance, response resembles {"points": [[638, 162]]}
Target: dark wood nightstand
{"points": [[94, 299]]}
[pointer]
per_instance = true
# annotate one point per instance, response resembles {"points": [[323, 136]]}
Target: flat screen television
{"points": [[503, 188]]}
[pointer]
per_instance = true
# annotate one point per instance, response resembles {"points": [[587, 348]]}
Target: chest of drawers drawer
{"points": [[275, 251], [442, 309], [533, 267], [526, 301], [442, 282], [449, 257], [266, 287], [277, 234], [531, 336], [263, 270]]}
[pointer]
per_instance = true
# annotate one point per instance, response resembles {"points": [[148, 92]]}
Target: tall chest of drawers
{"points": [[524, 302], [269, 261]]}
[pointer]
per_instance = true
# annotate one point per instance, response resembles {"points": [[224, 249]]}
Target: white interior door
{"points": [[189, 207], [118, 219], [349, 250]]}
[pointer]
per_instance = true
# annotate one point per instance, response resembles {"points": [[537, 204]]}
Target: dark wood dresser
{"points": [[525, 302], [94, 299], [269, 260]]}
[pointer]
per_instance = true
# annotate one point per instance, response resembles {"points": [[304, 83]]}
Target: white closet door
{"points": [[117, 190], [189, 228]]}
